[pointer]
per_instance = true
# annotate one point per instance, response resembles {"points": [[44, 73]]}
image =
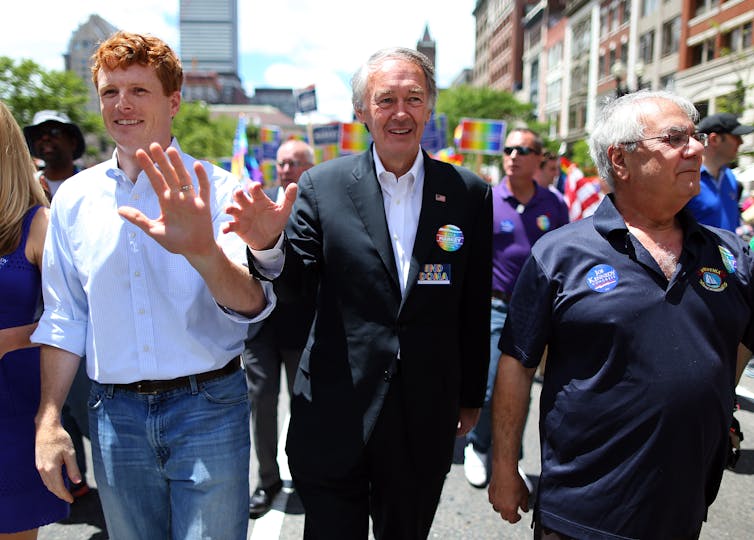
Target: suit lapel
{"points": [[364, 191], [433, 205]]}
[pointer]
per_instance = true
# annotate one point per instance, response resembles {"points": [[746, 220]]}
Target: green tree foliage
{"points": [[472, 102], [201, 136], [25, 87], [580, 156]]}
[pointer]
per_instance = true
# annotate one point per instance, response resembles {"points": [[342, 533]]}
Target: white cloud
{"points": [[318, 43]]}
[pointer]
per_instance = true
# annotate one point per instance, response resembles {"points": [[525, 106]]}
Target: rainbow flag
{"points": [[481, 136], [269, 134], [240, 149], [354, 137], [448, 155], [326, 152], [269, 172]]}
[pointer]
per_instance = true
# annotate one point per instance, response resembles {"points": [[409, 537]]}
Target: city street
{"points": [[464, 513]]}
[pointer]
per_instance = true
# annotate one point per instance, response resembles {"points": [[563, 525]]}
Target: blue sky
{"points": [[283, 43]]}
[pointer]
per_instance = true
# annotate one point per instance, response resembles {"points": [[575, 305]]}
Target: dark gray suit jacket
{"points": [[339, 256]]}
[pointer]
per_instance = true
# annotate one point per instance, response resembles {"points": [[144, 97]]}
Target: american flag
{"points": [[582, 193]]}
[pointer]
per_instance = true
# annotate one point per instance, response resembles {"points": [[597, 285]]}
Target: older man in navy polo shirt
{"points": [[645, 315]]}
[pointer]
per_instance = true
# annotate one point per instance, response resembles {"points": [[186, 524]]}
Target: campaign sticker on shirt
{"points": [[449, 237], [434, 274], [728, 259], [602, 278], [543, 222], [507, 226], [712, 279]]}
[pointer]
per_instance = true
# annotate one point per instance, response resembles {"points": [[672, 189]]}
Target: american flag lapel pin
{"points": [[439, 197]]}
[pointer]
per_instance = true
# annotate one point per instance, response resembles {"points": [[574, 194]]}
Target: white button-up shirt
{"points": [[113, 293]]}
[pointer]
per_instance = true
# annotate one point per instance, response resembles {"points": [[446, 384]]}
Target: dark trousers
{"points": [[263, 359], [383, 485]]}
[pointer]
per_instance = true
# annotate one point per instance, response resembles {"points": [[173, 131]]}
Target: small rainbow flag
{"points": [[481, 136], [326, 152], [240, 149], [354, 137], [269, 134], [269, 172]]}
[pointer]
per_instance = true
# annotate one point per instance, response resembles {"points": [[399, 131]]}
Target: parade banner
{"points": [[435, 133], [326, 152], [270, 137], [354, 137], [326, 134], [480, 136], [306, 99]]}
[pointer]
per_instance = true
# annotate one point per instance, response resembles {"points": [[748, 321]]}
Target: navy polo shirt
{"points": [[638, 392]]}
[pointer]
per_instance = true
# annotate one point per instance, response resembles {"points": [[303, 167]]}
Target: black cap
{"points": [[723, 123], [43, 117]]}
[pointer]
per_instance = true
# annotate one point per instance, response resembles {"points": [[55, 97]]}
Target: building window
{"points": [[648, 7], [646, 47], [626, 11], [668, 83], [553, 92], [671, 36], [555, 55], [737, 39], [703, 52], [703, 6]]}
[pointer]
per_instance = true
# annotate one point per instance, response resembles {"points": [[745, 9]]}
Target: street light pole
{"points": [[619, 72]]}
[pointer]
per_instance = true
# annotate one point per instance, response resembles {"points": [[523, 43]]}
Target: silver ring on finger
{"points": [[186, 187]]}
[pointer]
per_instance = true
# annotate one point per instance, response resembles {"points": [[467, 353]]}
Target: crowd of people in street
{"points": [[152, 304]]}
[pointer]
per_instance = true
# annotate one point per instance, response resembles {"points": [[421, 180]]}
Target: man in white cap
{"points": [[53, 138], [717, 201]]}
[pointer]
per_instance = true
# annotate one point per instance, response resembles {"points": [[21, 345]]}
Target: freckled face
{"points": [[135, 109]]}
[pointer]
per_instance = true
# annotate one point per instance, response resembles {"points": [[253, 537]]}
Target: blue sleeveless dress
{"points": [[25, 503]]}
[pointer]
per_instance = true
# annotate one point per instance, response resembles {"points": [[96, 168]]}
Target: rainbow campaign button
{"points": [[449, 237]]}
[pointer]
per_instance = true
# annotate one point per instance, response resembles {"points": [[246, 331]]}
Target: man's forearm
{"points": [[57, 370], [510, 404]]}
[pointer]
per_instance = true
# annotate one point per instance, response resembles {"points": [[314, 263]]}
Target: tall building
{"points": [[83, 43], [427, 46], [209, 47]]}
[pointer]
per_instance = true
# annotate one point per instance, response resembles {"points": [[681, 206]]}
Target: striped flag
{"points": [[582, 193], [240, 149]]}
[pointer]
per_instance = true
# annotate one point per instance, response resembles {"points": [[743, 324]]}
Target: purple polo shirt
{"points": [[515, 228]]}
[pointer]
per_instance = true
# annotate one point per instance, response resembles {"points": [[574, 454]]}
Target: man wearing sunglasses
{"points": [[522, 212], [717, 202], [646, 316], [53, 138]]}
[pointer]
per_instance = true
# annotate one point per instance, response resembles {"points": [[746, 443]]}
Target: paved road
{"points": [[464, 513]]}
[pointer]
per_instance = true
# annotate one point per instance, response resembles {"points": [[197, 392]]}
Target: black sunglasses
{"points": [[521, 150]]}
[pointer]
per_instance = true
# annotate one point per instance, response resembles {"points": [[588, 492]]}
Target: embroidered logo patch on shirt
{"points": [[434, 274], [729, 261], [507, 226], [449, 238], [543, 222], [712, 279], [602, 278]]}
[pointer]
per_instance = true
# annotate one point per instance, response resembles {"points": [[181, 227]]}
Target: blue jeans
{"points": [[173, 465], [481, 435]]}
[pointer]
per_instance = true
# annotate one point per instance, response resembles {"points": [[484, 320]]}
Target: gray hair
{"points": [[621, 121], [361, 77]]}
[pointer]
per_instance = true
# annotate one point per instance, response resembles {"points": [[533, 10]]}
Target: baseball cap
{"points": [[723, 123], [42, 117]]}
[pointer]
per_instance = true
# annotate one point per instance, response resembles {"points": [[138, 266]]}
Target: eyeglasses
{"points": [[520, 150], [291, 163], [677, 139]]}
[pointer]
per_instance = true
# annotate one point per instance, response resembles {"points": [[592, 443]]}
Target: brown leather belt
{"points": [[158, 387], [501, 295]]}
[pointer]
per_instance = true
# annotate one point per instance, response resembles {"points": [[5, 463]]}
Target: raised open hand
{"points": [[185, 223], [257, 220]]}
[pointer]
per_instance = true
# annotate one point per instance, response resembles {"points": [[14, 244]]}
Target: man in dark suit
{"points": [[273, 343], [394, 249]]}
